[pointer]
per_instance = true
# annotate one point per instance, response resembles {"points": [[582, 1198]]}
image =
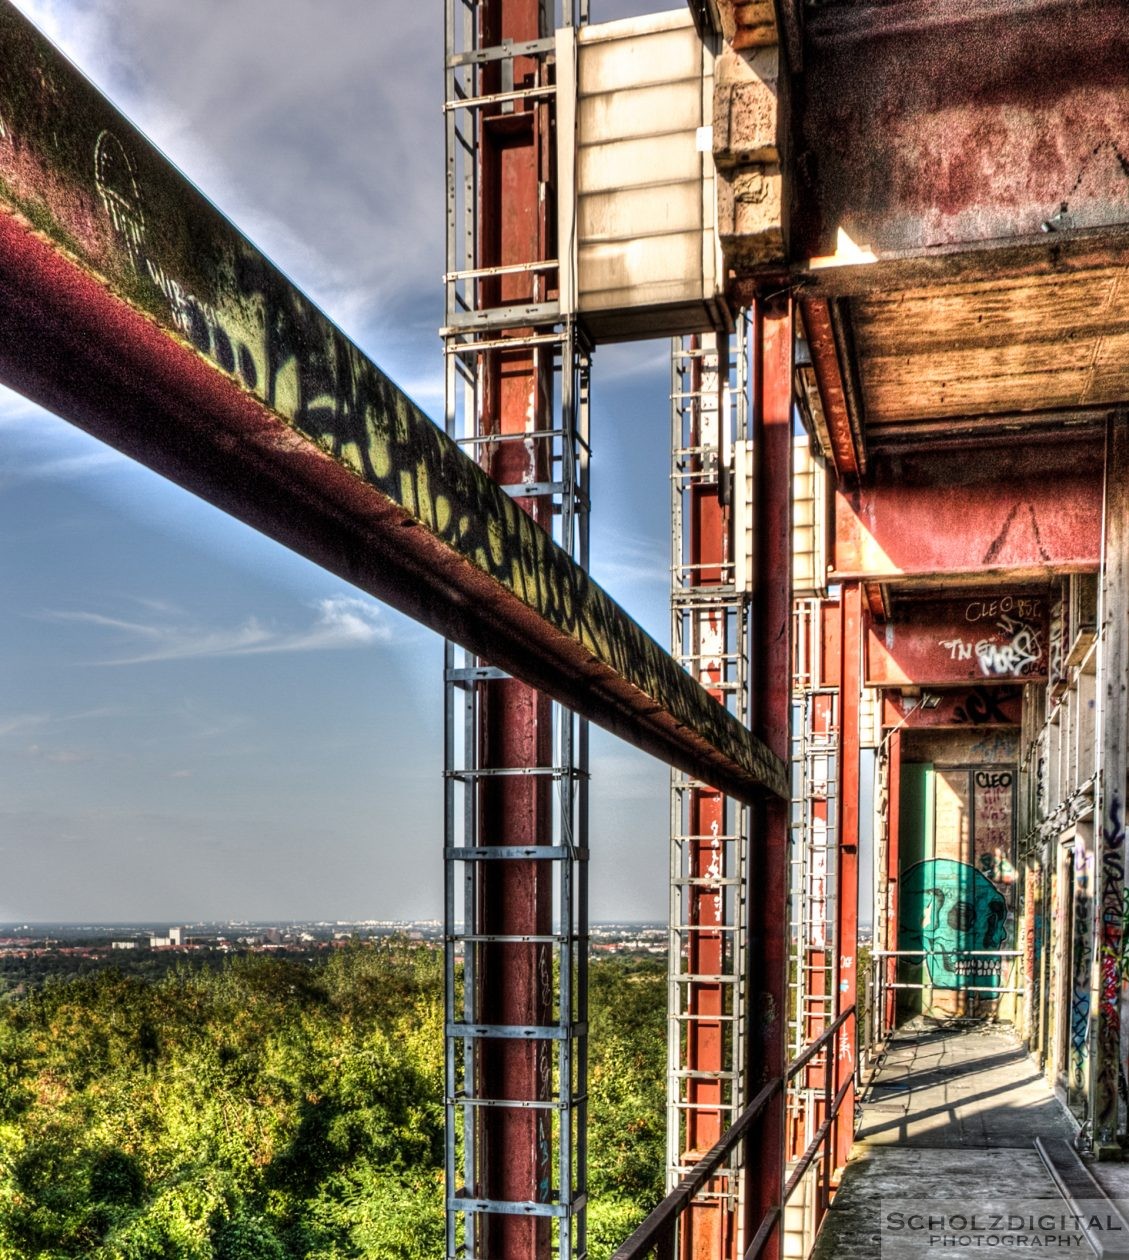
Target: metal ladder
{"points": [[708, 864], [479, 329], [812, 860]]}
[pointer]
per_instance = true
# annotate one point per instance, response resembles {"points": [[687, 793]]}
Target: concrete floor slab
{"points": [[953, 1086], [949, 1124]]}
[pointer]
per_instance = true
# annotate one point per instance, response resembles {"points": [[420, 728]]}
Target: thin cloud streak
{"points": [[635, 562], [38, 446], [343, 621], [21, 721]]}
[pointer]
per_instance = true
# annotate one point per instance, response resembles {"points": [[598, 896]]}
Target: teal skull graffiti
{"points": [[946, 909]]}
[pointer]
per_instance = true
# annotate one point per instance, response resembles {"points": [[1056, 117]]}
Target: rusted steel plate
{"points": [[847, 451], [131, 307], [908, 107], [1005, 513], [986, 705], [992, 636]]}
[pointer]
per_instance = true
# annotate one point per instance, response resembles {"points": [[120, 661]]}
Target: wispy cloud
{"points": [[627, 777], [58, 756], [19, 723], [341, 621], [14, 723], [40, 447], [327, 112], [630, 561], [630, 361]]}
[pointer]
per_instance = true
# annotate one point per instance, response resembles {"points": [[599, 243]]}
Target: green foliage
{"points": [[272, 1110], [246, 1238], [627, 1107]]}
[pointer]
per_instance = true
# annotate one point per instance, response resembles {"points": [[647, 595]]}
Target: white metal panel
{"points": [[565, 41], [637, 213], [660, 48], [641, 223], [616, 271], [650, 163], [643, 111]]}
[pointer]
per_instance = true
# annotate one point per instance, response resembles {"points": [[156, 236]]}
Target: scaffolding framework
{"points": [[711, 483], [504, 333]]}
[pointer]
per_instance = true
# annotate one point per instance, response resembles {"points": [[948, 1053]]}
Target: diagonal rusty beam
{"points": [[131, 307]]}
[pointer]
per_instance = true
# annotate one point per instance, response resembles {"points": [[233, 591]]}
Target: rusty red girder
{"points": [[131, 307], [515, 720], [773, 322], [980, 707], [709, 1231], [847, 449], [998, 637], [1017, 515]]}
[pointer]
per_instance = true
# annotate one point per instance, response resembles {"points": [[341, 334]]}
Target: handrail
{"points": [[956, 953], [656, 1233], [659, 1225], [820, 1134], [883, 988], [810, 1051]]}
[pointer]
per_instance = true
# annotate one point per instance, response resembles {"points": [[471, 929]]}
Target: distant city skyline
{"points": [[196, 724]]}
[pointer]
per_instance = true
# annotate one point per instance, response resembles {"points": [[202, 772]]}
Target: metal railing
{"points": [[881, 985], [657, 1236]]}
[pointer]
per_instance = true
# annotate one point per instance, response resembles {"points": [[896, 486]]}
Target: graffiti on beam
{"points": [[954, 915], [984, 705], [232, 341], [1019, 654], [88, 181], [1009, 638], [1025, 607]]}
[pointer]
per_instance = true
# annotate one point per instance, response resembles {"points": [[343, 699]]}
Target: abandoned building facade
{"points": [[890, 243]]}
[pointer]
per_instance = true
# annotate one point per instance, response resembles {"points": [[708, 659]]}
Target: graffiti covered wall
{"points": [[960, 889], [1001, 638], [952, 912]]}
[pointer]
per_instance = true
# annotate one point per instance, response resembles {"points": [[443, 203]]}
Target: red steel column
{"points": [[515, 728], [771, 714], [847, 900], [709, 1232], [893, 857]]}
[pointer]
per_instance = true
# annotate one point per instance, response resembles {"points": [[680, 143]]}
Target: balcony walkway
{"points": [[949, 1124]]}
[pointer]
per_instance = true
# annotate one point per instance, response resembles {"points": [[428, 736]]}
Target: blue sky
{"points": [[194, 722]]}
